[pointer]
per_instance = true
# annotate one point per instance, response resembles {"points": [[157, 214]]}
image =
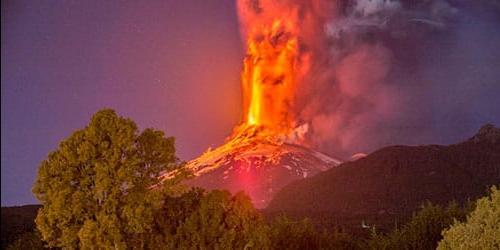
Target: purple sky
{"points": [[175, 66], [172, 65]]}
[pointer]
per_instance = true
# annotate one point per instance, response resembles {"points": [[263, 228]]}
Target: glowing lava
{"points": [[268, 81]]}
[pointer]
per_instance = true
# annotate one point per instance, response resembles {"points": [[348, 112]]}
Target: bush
{"points": [[289, 234], [423, 231], [209, 220], [480, 231], [30, 240]]}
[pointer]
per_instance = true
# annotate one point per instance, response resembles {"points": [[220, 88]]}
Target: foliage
{"points": [[423, 231], [209, 220], [17, 221], [289, 234], [94, 187], [482, 228], [29, 240]]}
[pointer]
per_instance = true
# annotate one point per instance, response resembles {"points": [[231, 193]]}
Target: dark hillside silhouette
{"points": [[394, 181]]}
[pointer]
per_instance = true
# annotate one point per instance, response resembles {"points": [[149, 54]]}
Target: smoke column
{"points": [[373, 72]]}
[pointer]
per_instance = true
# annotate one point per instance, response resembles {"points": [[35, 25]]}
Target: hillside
{"points": [[391, 183]]}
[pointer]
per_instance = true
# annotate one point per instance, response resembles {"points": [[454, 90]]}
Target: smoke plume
{"points": [[378, 72]]}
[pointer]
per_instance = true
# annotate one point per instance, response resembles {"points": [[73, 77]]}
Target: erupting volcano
{"points": [[266, 151]]}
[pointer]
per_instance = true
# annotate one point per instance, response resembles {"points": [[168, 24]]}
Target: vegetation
{"points": [[423, 231], [209, 220], [30, 240], [482, 228], [96, 190], [96, 193], [289, 234], [17, 221], [94, 187]]}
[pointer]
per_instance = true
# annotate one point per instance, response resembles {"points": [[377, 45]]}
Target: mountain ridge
{"points": [[394, 181]]}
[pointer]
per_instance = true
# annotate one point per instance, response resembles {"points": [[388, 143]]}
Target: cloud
{"points": [[376, 7]]}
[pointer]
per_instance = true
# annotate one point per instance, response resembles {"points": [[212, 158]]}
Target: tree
{"points": [[29, 240], [423, 231], [94, 187], [210, 220], [482, 228], [286, 233], [290, 234]]}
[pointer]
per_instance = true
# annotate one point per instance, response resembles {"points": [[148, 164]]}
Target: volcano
{"points": [[258, 163], [266, 150]]}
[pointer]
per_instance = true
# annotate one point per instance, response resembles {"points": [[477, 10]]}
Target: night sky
{"points": [[175, 66], [172, 65]]}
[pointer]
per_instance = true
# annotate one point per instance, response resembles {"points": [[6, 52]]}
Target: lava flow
{"points": [[263, 153]]}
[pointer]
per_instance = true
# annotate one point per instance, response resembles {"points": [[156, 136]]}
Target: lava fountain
{"points": [[268, 78]]}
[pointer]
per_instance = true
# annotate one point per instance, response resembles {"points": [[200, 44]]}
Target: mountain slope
{"points": [[394, 181], [258, 164]]}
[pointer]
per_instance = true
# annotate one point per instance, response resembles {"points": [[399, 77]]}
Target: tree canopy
{"points": [[199, 219], [422, 231], [482, 228], [93, 188]]}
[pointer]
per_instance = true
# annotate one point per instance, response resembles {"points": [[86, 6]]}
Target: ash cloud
{"points": [[385, 72]]}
